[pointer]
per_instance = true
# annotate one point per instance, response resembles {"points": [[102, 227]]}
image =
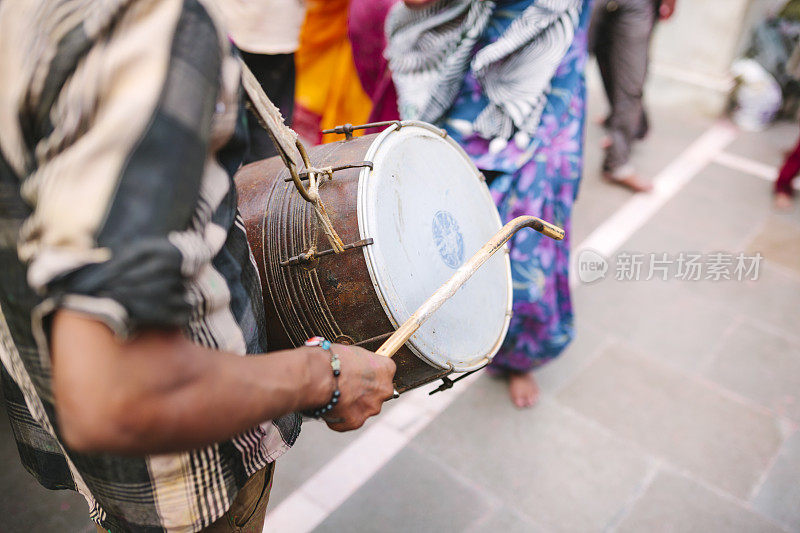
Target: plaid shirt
{"points": [[120, 130]]}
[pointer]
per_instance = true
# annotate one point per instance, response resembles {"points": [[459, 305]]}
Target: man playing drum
{"points": [[127, 287]]}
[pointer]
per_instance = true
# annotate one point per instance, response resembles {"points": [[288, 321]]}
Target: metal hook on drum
{"points": [[348, 129]]}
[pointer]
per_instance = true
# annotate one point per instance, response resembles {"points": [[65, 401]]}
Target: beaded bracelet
{"points": [[336, 366]]}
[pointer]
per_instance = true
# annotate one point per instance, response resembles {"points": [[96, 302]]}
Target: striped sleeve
{"points": [[119, 171]]}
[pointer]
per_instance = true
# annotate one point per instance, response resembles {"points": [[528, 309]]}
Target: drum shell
{"points": [[334, 295]]}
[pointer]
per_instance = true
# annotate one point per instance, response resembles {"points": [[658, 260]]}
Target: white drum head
{"points": [[428, 211]]}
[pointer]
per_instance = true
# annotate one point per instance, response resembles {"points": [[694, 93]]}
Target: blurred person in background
{"points": [[619, 37], [267, 33], [783, 189], [368, 40], [128, 292], [506, 79], [329, 92]]}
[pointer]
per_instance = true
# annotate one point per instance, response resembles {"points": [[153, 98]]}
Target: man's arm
{"points": [[162, 393]]}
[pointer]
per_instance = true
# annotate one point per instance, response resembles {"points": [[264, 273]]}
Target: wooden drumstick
{"points": [[465, 271]]}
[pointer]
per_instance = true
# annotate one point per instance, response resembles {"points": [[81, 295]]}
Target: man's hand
{"points": [[667, 9], [365, 383]]}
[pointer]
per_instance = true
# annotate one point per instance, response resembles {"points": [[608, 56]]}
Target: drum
{"points": [[410, 208]]}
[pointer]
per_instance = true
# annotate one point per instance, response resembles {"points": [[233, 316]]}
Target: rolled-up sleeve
{"points": [[120, 169]]}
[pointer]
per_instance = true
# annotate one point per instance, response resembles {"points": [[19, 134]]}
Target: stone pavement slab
{"points": [[676, 504], [719, 210], [597, 201], [505, 520], [588, 343], [663, 319], [554, 468], [762, 366], [779, 242], [411, 493], [772, 299], [616, 307], [779, 496], [672, 415]]}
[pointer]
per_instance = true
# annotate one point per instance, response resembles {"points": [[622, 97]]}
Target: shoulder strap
{"points": [[283, 137]]}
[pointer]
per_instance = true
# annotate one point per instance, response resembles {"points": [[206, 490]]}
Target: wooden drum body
{"points": [[409, 206]]}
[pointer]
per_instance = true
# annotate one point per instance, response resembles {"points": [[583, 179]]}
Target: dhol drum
{"points": [[410, 208]]}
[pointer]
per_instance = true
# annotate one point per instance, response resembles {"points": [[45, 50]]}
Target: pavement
{"points": [[675, 409]]}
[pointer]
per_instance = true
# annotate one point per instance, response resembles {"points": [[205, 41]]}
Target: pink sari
{"points": [[368, 40]]}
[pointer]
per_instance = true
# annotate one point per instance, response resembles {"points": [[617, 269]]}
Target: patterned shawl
{"points": [[431, 49]]}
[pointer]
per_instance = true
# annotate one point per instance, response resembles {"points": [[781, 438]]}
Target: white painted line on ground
{"points": [[751, 167], [747, 166], [612, 233], [325, 491], [295, 513]]}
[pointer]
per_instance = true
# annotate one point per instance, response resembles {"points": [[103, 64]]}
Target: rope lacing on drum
{"points": [[315, 177]]}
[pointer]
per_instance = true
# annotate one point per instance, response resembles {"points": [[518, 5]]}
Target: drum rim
{"points": [[370, 260]]}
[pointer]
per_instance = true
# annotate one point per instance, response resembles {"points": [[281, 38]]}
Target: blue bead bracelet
{"points": [[336, 366]]}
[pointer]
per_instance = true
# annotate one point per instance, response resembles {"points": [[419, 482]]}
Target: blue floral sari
{"points": [[534, 176]]}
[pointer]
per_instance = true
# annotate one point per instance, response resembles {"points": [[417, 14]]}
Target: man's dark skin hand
{"points": [[159, 392]]}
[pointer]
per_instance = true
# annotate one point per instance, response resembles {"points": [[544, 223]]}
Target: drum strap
{"points": [[291, 151], [283, 137]]}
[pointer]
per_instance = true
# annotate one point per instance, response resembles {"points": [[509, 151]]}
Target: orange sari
{"points": [[328, 91]]}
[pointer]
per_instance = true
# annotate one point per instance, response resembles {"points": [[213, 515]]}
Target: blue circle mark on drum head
{"points": [[448, 239]]}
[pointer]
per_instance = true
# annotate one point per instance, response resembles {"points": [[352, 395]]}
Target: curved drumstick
{"points": [[465, 271]]}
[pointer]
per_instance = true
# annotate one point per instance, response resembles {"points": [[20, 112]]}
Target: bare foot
{"points": [[783, 201], [523, 390], [631, 182]]}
